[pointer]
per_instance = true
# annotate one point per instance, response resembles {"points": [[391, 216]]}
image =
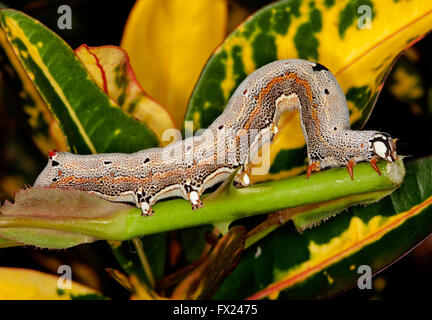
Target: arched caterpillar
{"points": [[188, 167]]}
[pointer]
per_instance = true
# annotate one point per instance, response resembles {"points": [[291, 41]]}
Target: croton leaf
{"points": [[168, 42], [46, 132], [24, 284], [408, 85], [110, 68], [91, 122], [89, 119], [358, 50]]}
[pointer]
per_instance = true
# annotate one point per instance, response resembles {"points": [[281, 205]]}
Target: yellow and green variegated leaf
{"points": [[25, 284], [326, 31], [19, 162], [111, 70], [325, 260], [45, 129], [130, 260], [89, 119], [407, 84], [168, 42]]}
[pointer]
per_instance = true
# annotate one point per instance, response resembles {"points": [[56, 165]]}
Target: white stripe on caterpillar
{"points": [[186, 168]]}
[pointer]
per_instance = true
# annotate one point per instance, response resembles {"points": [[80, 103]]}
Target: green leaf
{"points": [[5, 243], [89, 120], [323, 261], [58, 206], [45, 238], [193, 241], [323, 31], [155, 249], [46, 132]]}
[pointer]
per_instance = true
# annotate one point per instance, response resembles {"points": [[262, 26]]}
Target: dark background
{"points": [[97, 23]]}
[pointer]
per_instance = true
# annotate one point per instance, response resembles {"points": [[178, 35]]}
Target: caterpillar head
{"points": [[383, 146]]}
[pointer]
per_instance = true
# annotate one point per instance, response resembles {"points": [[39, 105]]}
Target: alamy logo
{"points": [[65, 20], [365, 280], [65, 280], [365, 20]]}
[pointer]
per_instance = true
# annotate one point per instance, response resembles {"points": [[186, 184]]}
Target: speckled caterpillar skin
{"points": [[188, 167]]}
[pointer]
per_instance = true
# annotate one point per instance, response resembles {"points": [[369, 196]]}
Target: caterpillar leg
{"points": [[195, 200], [350, 165], [146, 209], [373, 162], [313, 167], [193, 195], [243, 178]]}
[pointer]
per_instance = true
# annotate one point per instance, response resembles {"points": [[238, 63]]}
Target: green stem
{"points": [[309, 200], [144, 261], [314, 194]]}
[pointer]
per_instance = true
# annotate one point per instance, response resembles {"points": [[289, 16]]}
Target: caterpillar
{"points": [[187, 168]]}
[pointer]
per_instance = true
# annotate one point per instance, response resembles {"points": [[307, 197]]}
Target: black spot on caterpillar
{"points": [[319, 67]]}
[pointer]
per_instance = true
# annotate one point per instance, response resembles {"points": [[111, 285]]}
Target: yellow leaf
{"points": [[11, 184], [143, 292], [168, 42], [26, 284], [111, 70]]}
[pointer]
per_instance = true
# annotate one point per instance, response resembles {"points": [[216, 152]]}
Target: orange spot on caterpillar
{"points": [[316, 121], [264, 92], [302, 82]]}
